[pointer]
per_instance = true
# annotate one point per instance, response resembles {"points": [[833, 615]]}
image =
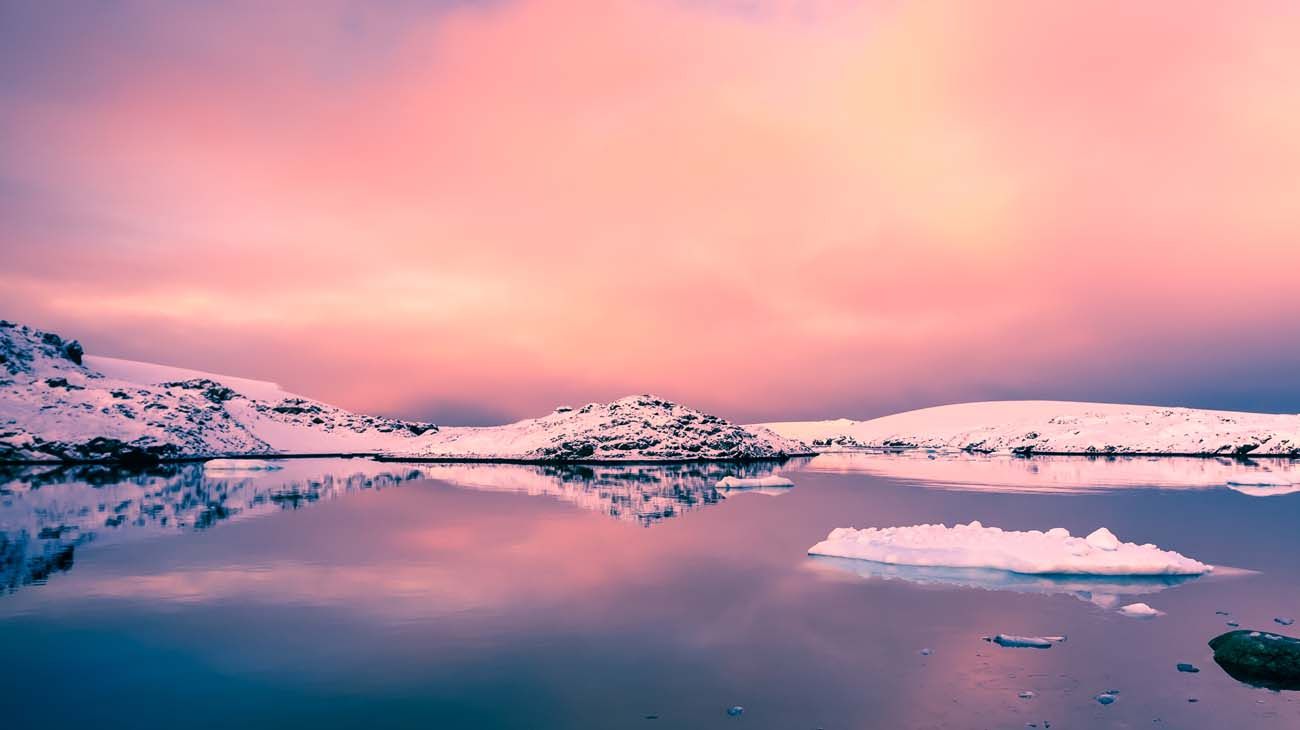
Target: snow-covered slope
{"points": [[635, 428], [1060, 427], [57, 404]]}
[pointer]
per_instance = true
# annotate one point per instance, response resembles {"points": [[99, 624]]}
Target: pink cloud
{"points": [[865, 208]]}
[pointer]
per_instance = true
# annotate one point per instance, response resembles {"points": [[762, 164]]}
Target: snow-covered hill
{"points": [[635, 428], [1059, 427], [58, 404]]}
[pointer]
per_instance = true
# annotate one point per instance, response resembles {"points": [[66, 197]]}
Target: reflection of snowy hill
{"points": [[1007, 473], [47, 513], [1060, 427], [644, 493]]}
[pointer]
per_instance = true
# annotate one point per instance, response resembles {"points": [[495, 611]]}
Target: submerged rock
{"points": [[1189, 668], [1259, 658]]}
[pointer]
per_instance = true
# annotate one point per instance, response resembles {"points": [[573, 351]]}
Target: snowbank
{"points": [[1054, 552], [1060, 427]]}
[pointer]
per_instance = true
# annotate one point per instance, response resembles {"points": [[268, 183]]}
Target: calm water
{"points": [[345, 593]]}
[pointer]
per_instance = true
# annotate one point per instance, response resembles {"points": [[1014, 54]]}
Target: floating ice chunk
{"points": [[1026, 695], [927, 652], [241, 465], [1031, 552], [1108, 696], [1188, 668], [1284, 621], [735, 710], [1012, 641], [775, 480], [1140, 610]]}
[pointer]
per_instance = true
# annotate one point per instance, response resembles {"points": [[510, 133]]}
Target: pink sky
{"points": [[472, 212]]}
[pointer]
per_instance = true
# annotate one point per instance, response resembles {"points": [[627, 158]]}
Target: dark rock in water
{"points": [[1189, 668], [1259, 658], [735, 711]]}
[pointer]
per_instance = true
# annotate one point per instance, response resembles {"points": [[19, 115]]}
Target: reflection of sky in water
{"points": [[435, 604]]}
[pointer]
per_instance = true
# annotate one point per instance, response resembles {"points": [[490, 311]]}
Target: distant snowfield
{"points": [[1059, 427]]}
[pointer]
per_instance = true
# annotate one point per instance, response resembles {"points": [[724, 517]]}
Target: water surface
{"points": [[344, 593]]}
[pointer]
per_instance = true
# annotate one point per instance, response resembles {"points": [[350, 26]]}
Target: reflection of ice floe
{"points": [[644, 493], [1067, 474], [1267, 491], [976, 546], [1103, 591]]}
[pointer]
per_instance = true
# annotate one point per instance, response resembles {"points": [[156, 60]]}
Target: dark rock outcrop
{"points": [[1259, 658]]}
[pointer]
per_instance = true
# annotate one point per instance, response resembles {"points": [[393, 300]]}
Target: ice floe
{"points": [[1012, 641], [767, 482], [1054, 552], [1140, 610]]}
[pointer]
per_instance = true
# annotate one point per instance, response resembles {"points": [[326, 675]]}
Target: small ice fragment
{"points": [[1107, 697], [1012, 641], [1192, 699], [1189, 668], [1222, 613], [1103, 539], [775, 480], [1140, 610], [735, 710], [1026, 695], [1233, 624], [1285, 621], [927, 652]]}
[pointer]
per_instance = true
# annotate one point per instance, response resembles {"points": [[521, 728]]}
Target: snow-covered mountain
{"points": [[56, 403], [635, 428], [1060, 427]]}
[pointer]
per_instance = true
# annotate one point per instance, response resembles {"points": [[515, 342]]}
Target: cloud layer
{"points": [[474, 211]]}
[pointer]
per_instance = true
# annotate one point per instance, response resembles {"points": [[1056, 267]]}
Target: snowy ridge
{"points": [[1060, 427], [1054, 552], [635, 428], [58, 405]]}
